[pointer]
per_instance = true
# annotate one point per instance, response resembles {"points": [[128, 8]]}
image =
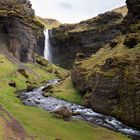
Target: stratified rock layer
{"points": [[20, 33], [87, 37], [133, 9], [110, 79]]}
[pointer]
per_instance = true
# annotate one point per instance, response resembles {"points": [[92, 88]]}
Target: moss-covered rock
{"points": [[20, 32], [40, 60], [86, 37], [110, 82], [110, 79]]}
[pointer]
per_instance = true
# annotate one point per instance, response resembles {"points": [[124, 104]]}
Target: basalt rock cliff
{"points": [[105, 51], [20, 33], [86, 37], [110, 79]]}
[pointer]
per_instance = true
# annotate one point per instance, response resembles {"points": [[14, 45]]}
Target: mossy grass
{"points": [[39, 123], [66, 91], [121, 53]]}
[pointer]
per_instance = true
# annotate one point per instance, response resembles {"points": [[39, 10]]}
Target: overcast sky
{"points": [[71, 11]]}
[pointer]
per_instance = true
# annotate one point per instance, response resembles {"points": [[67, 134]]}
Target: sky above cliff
{"points": [[71, 11]]}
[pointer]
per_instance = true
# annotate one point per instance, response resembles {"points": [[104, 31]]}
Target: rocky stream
{"points": [[35, 98]]}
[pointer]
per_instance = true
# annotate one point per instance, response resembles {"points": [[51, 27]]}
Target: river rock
{"points": [[46, 94], [63, 112], [47, 88], [47, 91], [30, 87]]}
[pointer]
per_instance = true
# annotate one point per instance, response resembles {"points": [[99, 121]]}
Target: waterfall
{"points": [[47, 54]]}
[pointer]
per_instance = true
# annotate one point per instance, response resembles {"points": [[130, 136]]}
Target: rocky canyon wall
{"points": [[20, 33], [105, 52], [85, 38], [110, 79]]}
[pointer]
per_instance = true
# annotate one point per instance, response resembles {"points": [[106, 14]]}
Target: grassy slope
{"points": [[41, 124], [120, 51], [122, 10], [48, 23], [66, 91]]}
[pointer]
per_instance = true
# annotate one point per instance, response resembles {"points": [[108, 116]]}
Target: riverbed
{"points": [[35, 98]]}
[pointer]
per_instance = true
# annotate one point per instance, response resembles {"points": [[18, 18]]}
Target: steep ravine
{"points": [[105, 51], [22, 40], [110, 78]]}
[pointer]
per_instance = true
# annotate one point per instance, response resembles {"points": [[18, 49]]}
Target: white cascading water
{"points": [[47, 54], [36, 98]]}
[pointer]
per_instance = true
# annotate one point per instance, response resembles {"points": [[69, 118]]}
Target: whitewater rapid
{"points": [[35, 98]]}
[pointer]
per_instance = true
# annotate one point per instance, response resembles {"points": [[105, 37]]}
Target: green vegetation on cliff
{"points": [[112, 78], [48, 23]]}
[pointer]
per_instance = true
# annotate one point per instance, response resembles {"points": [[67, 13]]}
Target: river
{"points": [[35, 98]]}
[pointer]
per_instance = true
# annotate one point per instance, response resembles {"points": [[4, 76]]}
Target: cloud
{"points": [[71, 11], [66, 5]]}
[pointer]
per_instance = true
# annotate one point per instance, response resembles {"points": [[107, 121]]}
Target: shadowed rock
{"points": [[21, 34], [86, 37]]}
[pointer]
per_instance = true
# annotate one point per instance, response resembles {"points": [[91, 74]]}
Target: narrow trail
{"points": [[10, 128]]}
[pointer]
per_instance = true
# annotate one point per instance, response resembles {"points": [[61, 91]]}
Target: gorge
{"points": [[103, 54], [36, 98], [90, 70]]}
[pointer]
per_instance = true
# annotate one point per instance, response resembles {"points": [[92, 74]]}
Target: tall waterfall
{"points": [[47, 54]]}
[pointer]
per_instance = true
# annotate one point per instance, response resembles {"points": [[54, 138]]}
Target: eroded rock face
{"points": [[112, 87], [20, 33], [131, 24], [110, 79], [86, 37], [133, 9]]}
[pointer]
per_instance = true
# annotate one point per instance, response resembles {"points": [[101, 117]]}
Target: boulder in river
{"points": [[47, 88], [63, 112], [30, 87]]}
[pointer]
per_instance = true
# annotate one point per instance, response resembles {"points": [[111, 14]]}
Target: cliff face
{"points": [[133, 9], [87, 37], [110, 79], [20, 33]]}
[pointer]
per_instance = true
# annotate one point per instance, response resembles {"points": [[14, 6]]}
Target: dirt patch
{"points": [[11, 128]]}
